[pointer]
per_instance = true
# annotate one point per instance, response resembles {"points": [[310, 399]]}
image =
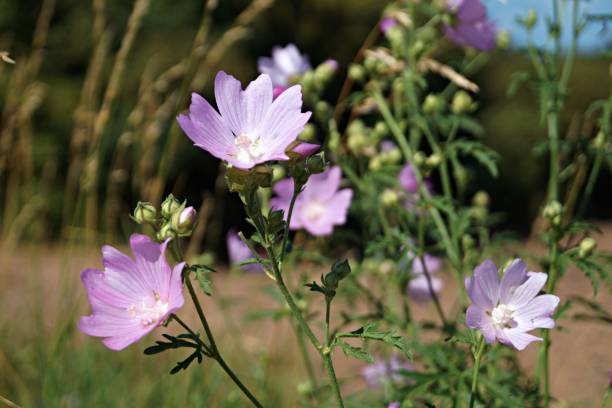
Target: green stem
{"points": [[588, 190], [476, 369], [306, 357], [553, 136], [296, 191], [327, 310], [543, 368]]}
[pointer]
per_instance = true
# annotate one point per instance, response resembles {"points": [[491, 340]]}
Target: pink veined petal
{"points": [[537, 312], [105, 325], [338, 206], [318, 229], [175, 290], [119, 273], [151, 265], [477, 318], [206, 128], [284, 188], [528, 290], [323, 186], [101, 295], [266, 66], [118, 343], [228, 94], [256, 99], [516, 338], [514, 276], [483, 286], [471, 10], [282, 123]]}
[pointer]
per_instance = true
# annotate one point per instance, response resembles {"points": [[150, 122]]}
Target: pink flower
{"points": [[321, 205], [386, 24], [131, 297], [382, 371], [472, 28], [284, 67], [507, 311], [306, 149], [251, 128], [410, 183], [418, 287], [238, 252]]}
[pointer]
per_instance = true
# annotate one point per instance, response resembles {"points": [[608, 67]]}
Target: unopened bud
{"points": [[532, 19], [356, 73], [324, 72], [389, 198], [315, 164], [462, 103], [380, 130], [183, 221], [433, 161], [145, 213], [599, 140], [433, 104], [467, 242], [419, 159], [169, 206], [503, 39], [395, 36], [393, 155], [481, 199], [166, 232], [309, 133], [375, 163], [552, 211], [322, 110], [305, 388], [278, 173], [334, 141], [587, 247]]}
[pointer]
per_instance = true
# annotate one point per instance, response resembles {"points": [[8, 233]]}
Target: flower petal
{"points": [[514, 276], [323, 186], [517, 338], [256, 99], [151, 265], [536, 313], [483, 286], [528, 290], [118, 343], [477, 318], [228, 94]]}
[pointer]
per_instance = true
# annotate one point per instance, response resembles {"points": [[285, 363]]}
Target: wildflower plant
{"points": [[377, 193]]}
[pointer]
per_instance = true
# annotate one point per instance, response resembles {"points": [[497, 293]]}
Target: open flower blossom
{"points": [[382, 371], [238, 252], [251, 128], [321, 205], [386, 24], [506, 311], [471, 28], [131, 297], [418, 287], [285, 66]]}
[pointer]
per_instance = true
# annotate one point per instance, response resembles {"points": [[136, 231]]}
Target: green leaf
{"points": [[484, 154], [356, 352], [201, 273]]}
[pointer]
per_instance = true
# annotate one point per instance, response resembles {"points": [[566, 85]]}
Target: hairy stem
{"points": [[476, 369]]}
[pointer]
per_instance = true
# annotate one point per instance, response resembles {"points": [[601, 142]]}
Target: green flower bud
{"points": [[389, 198], [169, 206], [503, 39], [433, 161], [395, 36], [380, 130], [419, 159], [309, 133], [587, 247], [462, 103], [334, 141], [322, 110], [532, 19], [278, 172], [467, 241], [356, 73], [375, 163], [166, 232], [145, 213], [315, 164], [393, 155], [552, 211], [305, 388], [184, 220], [356, 142], [599, 141], [370, 63], [433, 104], [324, 72], [481, 199]]}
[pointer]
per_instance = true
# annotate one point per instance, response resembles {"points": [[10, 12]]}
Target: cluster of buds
{"points": [[425, 163], [553, 212], [314, 81], [176, 218], [480, 206]]}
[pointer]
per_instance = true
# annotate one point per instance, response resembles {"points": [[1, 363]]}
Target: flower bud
{"points": [[166, 232], [380, 130], [375, 163], [309, 133], [467, 241], [324, 72], [433, 161], [305, 388], [462, 103], [395, 36], [599, 141], [587, 247], [169, 206], [532, 19], [503, 39], [322, 110], [389, 198], [334, 141], [356, 73], [552, 210], [315, 164], [419, 158], [145, 213], [183, 221], [433, 104], [278, 173], [356, 142], [481, 199], [393, 155]]}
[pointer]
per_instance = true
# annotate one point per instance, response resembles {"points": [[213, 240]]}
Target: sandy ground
{"points": [[581, 353]]}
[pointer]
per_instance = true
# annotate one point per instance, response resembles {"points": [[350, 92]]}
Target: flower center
{"points": [[248, 149], [314, 210], [503, 316], [147, 312]]}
